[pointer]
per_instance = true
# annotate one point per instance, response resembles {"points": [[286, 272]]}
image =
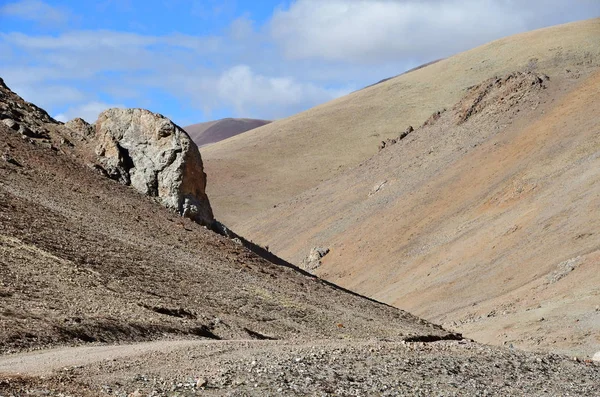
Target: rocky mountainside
{"points": [[88, 265], [86, 259], [214, 131], [289, 156], [483, 219]]}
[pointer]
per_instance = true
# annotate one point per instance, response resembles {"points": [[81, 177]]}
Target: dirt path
{"points": [[258, 367], [44, 362]]}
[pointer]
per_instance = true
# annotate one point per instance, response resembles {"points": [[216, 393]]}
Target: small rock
{"points": [[313, 260], [136, 393], [80, 128], [201, 382], [596, 357], [66, 142], [27, 131], [7, 157], [10, 123], [377, 188]]}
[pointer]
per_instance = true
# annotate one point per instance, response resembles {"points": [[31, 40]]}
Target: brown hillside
{"points": [[485, 220], [214, 131], [87, 261], [263, 167]]}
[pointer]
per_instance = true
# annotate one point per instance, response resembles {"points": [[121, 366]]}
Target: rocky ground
{"points": [[104, 291], [319, 368]]}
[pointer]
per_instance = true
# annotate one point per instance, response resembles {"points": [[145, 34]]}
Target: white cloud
{"points": [[37, 11], [375, 31], [252, 93], [308, 53], [88, 111], [124, 65], [47, 95]]}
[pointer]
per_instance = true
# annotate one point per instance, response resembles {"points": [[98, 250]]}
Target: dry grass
{"points": [[474, 221], [261, 168]]}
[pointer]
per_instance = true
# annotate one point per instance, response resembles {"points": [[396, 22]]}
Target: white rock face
{"points": [[596, 357], [313, 260], [149, 152]]}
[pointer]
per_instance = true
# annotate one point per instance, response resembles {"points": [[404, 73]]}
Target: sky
{"points": [[196, 61]]}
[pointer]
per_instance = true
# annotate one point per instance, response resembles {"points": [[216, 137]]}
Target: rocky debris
{"points": [[149, 152], [80, 128], [10, 123], [9, 159], [333, 368], [22, 116], [563, 269], [499, 94], [403, 135], [433, 118], [313, 260]]}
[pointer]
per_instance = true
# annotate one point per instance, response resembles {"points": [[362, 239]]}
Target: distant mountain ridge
{"points": [[214, 131]]}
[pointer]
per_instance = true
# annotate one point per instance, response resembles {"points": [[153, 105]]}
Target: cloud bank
{"points": [[301, 55]]}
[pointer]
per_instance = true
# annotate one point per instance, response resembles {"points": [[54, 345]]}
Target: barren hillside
{"points": [[89, 266], [485, 220], [263, 167], [86, 259]]}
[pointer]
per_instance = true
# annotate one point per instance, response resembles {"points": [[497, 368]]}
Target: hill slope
{"points": [[485, 219], [86, 260], [214, 131], [270, 164]]}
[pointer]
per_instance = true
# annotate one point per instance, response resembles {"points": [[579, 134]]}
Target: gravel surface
{"points": [[321, 368]]}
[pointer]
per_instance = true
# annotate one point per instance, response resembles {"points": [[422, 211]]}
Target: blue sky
{"points": [[195, 61]]}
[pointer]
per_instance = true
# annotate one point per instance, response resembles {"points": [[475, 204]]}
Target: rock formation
{"points": [[22, 116], [149, 152], [313, 260], [133, 146]]}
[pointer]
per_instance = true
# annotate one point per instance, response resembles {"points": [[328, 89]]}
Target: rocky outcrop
{"points": [[133, 146], [313, 260], [149, 152], [21, 116], [500, 94], [80, 128], [389, 142]]}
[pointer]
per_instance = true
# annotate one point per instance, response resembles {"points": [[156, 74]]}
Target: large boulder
{"points": [[149, 152]]}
